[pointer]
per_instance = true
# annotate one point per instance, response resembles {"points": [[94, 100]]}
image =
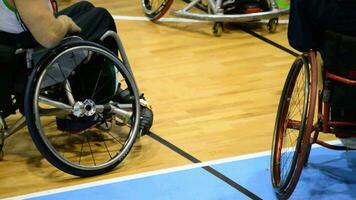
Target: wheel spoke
{"points": [[91, 152], [81, 152], [82, 145], [97, 82], [107, 149]]}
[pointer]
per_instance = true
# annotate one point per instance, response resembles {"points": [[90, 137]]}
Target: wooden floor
{"points": [[212, 97]]}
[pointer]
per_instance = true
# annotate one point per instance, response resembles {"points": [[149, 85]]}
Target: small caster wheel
{"points": [[146, 121], [218, 28], [272, 25]]}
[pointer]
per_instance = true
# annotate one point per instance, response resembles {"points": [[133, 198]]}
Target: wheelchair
{"points": [[74, 108], [305, 109], [218, 12]]}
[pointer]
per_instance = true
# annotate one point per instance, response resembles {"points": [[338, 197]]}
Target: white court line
{"points": [[138, 18], [152, 173], [172, 19]]}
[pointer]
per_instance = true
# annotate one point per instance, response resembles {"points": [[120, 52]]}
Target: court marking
{"points": [[172, 146], [252, 33], [182, 20], [152, 173], [207, 168], [264, 39]]}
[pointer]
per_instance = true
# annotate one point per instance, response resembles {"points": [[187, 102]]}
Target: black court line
{"points": [[283, 48], [207, 168]]}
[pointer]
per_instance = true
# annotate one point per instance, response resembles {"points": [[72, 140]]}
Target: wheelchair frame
{"points": [[214, 12], [62, 109], [19, 124], [309, 128]]}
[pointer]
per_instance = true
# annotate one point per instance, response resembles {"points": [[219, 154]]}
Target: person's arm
{"points": [[45, 28]]}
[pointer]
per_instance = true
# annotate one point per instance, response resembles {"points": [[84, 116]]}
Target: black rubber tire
{"points": [[272, 25], [285, 184], [218, 28], [155, 14], [39, 140], [146, 120]]}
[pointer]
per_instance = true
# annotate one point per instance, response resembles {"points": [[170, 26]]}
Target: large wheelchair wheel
{"points": [[155, 9], [291, 129], [73, 113]]}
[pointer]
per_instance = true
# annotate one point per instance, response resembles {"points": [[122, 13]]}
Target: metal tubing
{"points": [[334, 147], [122, 52], [16, 127], [340, 79], [294, 124], [191, 5], [69, 93], [63, 109], [219, 9], [212, 5], [120, 113], [274, 4], [55, 104], [54, 112], [341, 123], [123, 106], [274, 13]]}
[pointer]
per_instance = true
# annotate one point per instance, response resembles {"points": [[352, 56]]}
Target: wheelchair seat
{"points": [[338, 53]]}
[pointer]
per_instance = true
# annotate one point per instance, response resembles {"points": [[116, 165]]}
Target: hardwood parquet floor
{"points": [[213, 97]]}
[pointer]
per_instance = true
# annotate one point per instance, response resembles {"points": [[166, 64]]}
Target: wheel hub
{"points": [[86, 108]]}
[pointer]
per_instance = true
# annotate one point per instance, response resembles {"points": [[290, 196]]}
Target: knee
{"points": [[103, 12], [85, 5], [105, 16]]}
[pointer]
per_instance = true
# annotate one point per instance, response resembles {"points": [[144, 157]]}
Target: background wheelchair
{"points": [[219, 11], [305, 109], [82, 106]]}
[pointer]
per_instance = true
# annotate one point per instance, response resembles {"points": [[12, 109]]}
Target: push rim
{"points": [[290, 126], [96, 147]]}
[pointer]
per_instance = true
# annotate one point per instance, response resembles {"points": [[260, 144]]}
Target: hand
{"points": [[70, 24], [73, 27]]}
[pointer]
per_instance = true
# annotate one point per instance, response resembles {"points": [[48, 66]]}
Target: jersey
{"points": [[10, 20]]}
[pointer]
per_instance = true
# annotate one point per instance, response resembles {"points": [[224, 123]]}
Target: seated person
{"points": [[309, 22], [28, 24], [309, 19]]}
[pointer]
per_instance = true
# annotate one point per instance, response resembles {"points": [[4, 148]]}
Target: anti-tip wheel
{"points": [[272, 25], [218, 28]]}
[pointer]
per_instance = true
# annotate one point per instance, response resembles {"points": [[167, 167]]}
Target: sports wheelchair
{"points": [[219, 11], [81, 105], [308, 106]]}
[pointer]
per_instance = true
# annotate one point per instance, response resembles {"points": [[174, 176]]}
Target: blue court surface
{"points": [[329, 175]]}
